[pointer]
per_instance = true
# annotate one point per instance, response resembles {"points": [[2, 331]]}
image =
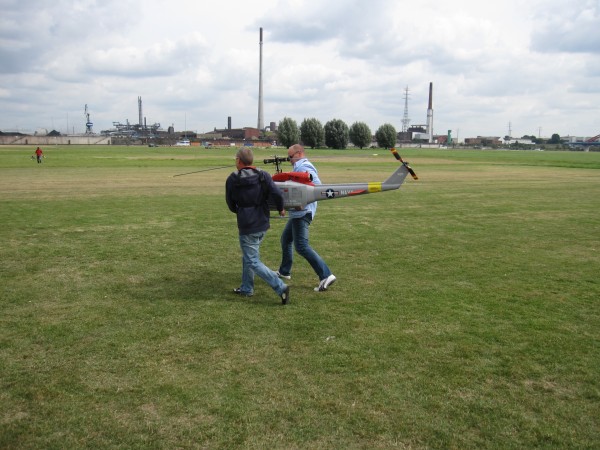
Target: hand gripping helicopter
{"points": [[299, 190]]}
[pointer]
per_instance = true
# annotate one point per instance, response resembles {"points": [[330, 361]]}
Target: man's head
{"points": [[244, 157], [295, 152]]}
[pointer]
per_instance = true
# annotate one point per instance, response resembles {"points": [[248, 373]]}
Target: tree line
{"points": [[555, 139], [335, 134]]}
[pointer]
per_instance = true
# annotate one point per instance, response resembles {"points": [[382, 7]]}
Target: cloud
{"points": [[33, 33], [160, 59], [313, 23], [575, 29]]}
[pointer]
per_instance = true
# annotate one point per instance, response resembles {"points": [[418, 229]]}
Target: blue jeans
{"points": [[295, 236], [251, 265]]}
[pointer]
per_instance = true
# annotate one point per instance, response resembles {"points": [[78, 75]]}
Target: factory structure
{"points": [[139, 129], [420, 133]]}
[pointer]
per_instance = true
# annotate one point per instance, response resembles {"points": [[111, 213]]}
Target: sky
{"points": [[497, 66]]}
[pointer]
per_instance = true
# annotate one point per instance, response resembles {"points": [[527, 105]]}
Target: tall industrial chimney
{"points": [[141, 123], [430, 114], [261, 120]]}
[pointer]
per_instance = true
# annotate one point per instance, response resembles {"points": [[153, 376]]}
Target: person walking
{"points": [[39, 154], [247, 193], [295, 232]]}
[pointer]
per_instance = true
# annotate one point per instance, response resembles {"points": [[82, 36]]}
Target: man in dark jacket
{"points": [[247, 192]]}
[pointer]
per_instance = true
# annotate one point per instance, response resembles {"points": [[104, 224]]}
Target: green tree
{"points": [[386, 136], [336, 134], [312, 133], [288, 133], [555, 139], [360, 134]]}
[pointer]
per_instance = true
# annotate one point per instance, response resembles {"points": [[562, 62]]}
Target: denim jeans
{"points": [[295, 235], [251, 265]]}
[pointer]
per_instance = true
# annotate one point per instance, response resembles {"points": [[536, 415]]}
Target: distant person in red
{"points": [[39, 154]]}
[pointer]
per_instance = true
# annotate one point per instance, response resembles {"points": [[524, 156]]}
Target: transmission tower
{"points": [[405, 119]]}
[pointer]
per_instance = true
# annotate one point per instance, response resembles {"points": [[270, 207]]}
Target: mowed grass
{"points": [[465, 313]]}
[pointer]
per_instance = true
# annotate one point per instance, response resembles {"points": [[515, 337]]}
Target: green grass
{"points": [[465, 313]]}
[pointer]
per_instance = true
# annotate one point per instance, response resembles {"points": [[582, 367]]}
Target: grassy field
{"points": [[466, 312]]}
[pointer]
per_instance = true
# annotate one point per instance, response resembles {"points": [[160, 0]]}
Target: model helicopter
{"points": [[298, 189]]}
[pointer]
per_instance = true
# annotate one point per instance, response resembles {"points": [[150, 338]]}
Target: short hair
{"points": [[297, 148], [246, 156]]}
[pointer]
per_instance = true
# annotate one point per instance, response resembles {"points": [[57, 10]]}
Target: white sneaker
{"points": [[287, 277], [325, 283]]}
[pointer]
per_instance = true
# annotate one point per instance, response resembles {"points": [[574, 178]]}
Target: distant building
{"points": [[237, 133], [524, 141], [484, 140]]}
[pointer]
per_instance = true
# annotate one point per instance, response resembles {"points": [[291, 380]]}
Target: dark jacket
{"points": [[247, 193]]}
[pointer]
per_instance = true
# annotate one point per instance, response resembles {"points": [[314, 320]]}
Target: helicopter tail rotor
{"points": [[404, 163]]}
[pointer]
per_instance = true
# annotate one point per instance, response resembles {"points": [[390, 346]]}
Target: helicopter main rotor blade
{"points": [[198, 171]]}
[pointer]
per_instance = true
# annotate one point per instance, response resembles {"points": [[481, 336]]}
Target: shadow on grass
{"points": [[194, 286]]}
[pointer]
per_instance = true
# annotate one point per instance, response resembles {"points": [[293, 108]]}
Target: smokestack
{"points": [[430, 96], [140, 111], [430, 114], [261, 120], [229, 122]]}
